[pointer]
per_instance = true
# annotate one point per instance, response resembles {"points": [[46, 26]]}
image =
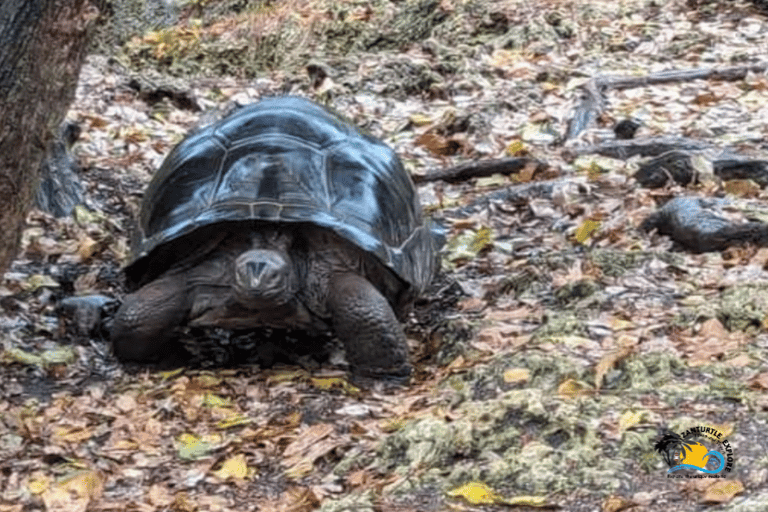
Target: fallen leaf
{"points": [[73, 494], [571, 388], [517, 375], [629, 419], [37, 281], [125, 402], [516, 148], [585, 230], [192, 447], [608, 361], [234, 467], [616, 504], [477, 493], [86, 247], [759, 382], [723, 491]]}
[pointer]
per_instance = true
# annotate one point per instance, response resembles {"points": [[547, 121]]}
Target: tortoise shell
{"points": [[286, 160]]}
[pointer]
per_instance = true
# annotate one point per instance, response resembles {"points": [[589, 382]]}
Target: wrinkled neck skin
{"points": [[265, 275]]}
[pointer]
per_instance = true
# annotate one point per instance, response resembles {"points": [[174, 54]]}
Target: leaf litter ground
{"points": [[554, 347]]}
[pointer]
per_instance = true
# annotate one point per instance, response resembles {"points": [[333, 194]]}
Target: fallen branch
{"points": [[652, 146], [684, 75], [480, 169], [592, 103]]}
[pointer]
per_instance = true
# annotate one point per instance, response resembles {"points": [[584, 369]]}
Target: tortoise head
{"points": [[264, 278]]}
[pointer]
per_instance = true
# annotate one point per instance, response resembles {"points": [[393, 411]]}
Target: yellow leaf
{"points": [[211, 400], [16, 355], [36, 281], [171, 373], [477, 493], [629, 419], [586, 229], [328, 383], [83, 216], [233, 420], [516, 148], [420, 119], [38, 484], [620, 324], [570, 388], [192, 447], [517, 375], [286, 376], [233, 467], [62, 355], [483, 239]]}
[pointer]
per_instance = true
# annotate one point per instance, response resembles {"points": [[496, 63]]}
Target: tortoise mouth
{"points": [[264, 278]]}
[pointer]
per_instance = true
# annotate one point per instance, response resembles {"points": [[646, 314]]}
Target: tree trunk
{"points": [[42, 46]]}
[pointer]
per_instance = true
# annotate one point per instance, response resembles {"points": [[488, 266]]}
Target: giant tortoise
{"points": [[281, 214]]}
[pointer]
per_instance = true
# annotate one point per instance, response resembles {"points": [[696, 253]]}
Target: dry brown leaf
{"points": [[616, 504], [438, 144], [740, 361], [508, 315], [86, 247], [159, 496], [359, 478], [626, 345], [295, 499], [759, 382], [517, 375], [471, 304], [309, 445], [711, 343], [723, 491], [497, 337], [183, 503], [125, 403], [74, 493], [742, 188], [308, 437], [527, 173]]}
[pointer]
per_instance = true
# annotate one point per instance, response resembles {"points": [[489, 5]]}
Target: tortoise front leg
{"points": [[143, 326], [364, 321]]}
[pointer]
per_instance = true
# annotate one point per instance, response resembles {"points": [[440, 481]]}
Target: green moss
{"points": [[614, 263], [559, 323], [743, 307], [350, 503], [524, 439], [652, 371]]}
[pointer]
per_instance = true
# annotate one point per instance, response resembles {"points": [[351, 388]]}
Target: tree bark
{"points": [[42, 47]]}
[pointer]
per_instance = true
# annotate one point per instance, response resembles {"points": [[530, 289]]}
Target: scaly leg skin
{"points": [[143, 326], [372, 336]]}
